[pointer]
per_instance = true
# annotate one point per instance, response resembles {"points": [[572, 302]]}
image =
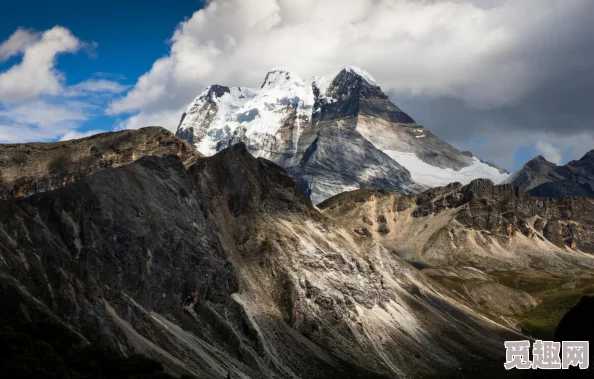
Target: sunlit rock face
{"points": [[482, 225], [30, 168]]}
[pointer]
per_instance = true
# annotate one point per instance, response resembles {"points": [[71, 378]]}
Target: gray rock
{"points": [[226, 267], [545, 179], [30, 168]]}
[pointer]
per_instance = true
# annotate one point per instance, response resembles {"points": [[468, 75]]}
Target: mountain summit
{"points": [[542, 178], [332, 133]]}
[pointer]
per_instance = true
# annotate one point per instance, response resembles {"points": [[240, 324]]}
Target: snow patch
{"points": [[323, 82], [257, 114], [429, 175]]}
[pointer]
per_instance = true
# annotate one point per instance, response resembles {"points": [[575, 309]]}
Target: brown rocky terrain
{"points": [[31, 168], [225, 267], [519, 259], [482, 225]]}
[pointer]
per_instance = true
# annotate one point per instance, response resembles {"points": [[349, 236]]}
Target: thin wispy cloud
{"points": [[101, 86], [76, 135]]}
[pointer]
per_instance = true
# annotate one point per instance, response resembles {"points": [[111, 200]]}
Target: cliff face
{"points": [[226, 267], [521, 260], [30, 168], [483, 225]]}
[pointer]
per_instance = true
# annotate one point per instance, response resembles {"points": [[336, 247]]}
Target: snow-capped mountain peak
{"points": [[362, 73], [324, 81], [333, 133], [279, 77]]}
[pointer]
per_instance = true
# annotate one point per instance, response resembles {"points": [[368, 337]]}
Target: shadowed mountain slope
{"points": [[226, 267]]}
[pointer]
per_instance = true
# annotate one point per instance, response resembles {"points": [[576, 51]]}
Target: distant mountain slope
{"points": [[333, 133], [523, 260], [545, 179], [481, 225], [534, 173], [30, 168]]}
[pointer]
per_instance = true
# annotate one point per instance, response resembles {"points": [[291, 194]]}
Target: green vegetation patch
{"points": [[557, 293], [542, 320]]}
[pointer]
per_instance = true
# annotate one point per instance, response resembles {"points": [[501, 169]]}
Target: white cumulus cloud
{"points": [[549, 152], [35, 102], [35, 74], [486, 54], [466, 49]]}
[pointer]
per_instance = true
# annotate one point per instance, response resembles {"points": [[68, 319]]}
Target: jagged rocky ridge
{"points": [[486, 226], [545, 179], [333, 133], [226, 267], [31, 168]]}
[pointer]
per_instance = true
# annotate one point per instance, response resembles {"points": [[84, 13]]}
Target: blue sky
{"points": [[129, 36], [480, 74]]}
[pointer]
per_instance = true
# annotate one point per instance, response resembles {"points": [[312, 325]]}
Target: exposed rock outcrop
{"points": [[30, 168], [482, 225]]}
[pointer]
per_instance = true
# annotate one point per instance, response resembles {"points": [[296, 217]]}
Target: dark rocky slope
{"points": [[226, 267], [31, 168], [534, 173], [576, 325], [40, 350]]}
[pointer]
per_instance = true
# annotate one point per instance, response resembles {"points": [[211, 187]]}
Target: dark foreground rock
{"points": [[225, 267]]}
